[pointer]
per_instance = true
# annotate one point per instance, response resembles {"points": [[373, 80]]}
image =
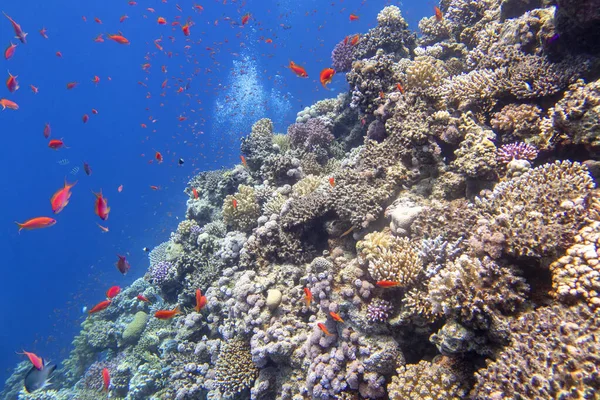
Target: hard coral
{"points": [[554, 354], [235, 371], [342, 56], [241, 210], [310, 135]]}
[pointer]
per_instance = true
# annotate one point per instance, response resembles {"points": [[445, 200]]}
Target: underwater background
{"points": [[423, 224]]}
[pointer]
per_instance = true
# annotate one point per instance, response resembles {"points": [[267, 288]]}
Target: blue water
{"points": [[48, 275]]}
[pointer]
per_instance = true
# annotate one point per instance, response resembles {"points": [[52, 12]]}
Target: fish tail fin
{"points": [[20, 225], [177, 309]]}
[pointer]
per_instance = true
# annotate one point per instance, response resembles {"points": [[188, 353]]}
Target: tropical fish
{"points": [[55, 144], [200, 301], [43, 33], [388, 284], [167, 314], [123, 18], [245, 19], [5, 103], [113, 291], [234, 203], [324, 329], [96, 79], [85, 118], [143, 298], [71, 85], [105, 379], [354, 17], [97, 20], [158, 157], [10, 51], [336, 317], [11, 83], [154, 187], [118, 38], [37, 379], [332, 181], [307, 296], [36, 223], [60, 199], [161, 21], [400, 88], [36, 360], [195, 192], [347, 232], [87, 169], [122, 264], [99, 39], [438, 14], [244, 162], [354, 40], [326, 76], [100, 306], [34, 89], [101, 206], [120, 188], [58, 54], [186, 29], [48, 132], [18, 31], [298, 70], [104, 229]]}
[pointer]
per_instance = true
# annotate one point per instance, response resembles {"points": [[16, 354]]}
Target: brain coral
{"points": [[539, 211], [241, 210], [235, 370], [554, 354]]}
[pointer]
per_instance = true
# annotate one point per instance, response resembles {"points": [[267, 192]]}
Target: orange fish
{"points": [[11, 83], [234, 203], [336, 317], [347, 232], [332, 181], [307, 296], [326, 76], [167, 314], [99, 39], [381, 95], [10, 51], [71, 85], [186, 29], [94, 111], [354, 17], [47, 130], [96, 79], [324, 329], [161, 21], [34, 89], [118, 38], [5, 103], [17, 28], [123, 18], [245, 19], [195, 192], [387, 284], [200, 301], [56, 144], [43, 33], [85, 118], [98, 20], [101, 206], [244, 163], [60, 199], [400, 88], [36, 223], [104, 229], [158, 157], [120, 188], [298, 70], [58, 54], [100, 306], [438, 14], [143, 298], [354, 40], [105, 379], [268, 40], [153, 187], [36, 360], [113, 291]]}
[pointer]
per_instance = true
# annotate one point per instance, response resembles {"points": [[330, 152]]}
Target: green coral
{"points": [[241, 210], [134, 329]]}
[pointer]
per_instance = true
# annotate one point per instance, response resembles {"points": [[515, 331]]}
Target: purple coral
{"points": [[310, 135], [160, 271], [342, 56], [379, 310], [516, 151]]}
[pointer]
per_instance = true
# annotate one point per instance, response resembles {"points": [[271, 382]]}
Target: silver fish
{"points": [[39, 378]]}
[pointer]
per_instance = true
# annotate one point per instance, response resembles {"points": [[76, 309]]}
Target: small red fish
{"points": [[326, 76], [99, 39], [186, 29], [307, 296], [60, 199], [120, 188], [122, 264], [244, 163], [71, 85], [11, 83], [200, 301], [161, 21], [336, 317], [55, 144], [158, 157], [47, 130], [113, 291], [5, 103], [438, 14], [85, 118], [381, 95], [123, 18], [58, 54], [105, 379], [94, 111], [36, 223], [154, 187], [118, 38], [268, 40], [167, 314], [101, 206], [35, 360], [387, 284], [98, 20], [43, 33], [100, 306], [87, 169], [143, 298], [245, 19], [354, 40], [195, 192], [298, 70], [346, 40], [332, 181], [96, 79], [17, 28], [234, 203], [400, 88], [324, 329], [34, 89], [354, 17], [104, 229], [10, 51]]}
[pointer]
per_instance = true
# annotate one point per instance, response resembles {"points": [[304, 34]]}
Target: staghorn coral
{"points": [[235, 371], [242, 214], [475, 291], [538, 212], [554, 354]]}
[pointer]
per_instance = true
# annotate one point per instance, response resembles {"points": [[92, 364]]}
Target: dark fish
{"points": [[38, 378], [181, 161], [87, 169], [122, 265], [146, 249]]}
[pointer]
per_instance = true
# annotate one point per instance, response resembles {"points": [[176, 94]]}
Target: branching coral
{"points": [[235, 371], [342, 56], [518, 120], [476, 156], [314, 133], [241, 210]]}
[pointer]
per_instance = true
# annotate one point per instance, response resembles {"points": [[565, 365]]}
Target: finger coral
{"points": [[235, 371]]}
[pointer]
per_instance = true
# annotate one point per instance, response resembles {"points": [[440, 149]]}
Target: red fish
{"points": [[307, 296], [113, 291], [96, 79], [158, 157], [123, 18], [100, 306], [101, 206], [154, 187], [438, 14], [167, 314], [18, 31], [186, 29], [387, 284], [200, 301], [56, 144], [354, 40], [298, 70], [87, 169], [47, 130], [98, 20], [34, 89], [195, 192], [85, 118], [143, 298], [234, 203], [11, 83], [94, 111], [332, 181], [336, 317], [5, 103], [354, 17], [161, 21], [245, 19], [105, 379], [120, 188], [118, 38], [43, 33], [326, 76], [122, 264], [324, 329], [244, 163], [10, 51], [58, 54], [104, 229], [36, 360], [99, 39], [71, 85], [36, 223], [400, 88], [60, 199]]}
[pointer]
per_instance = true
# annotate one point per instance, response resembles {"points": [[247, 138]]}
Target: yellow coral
{"points": [[306, 185], [241, 210]]}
